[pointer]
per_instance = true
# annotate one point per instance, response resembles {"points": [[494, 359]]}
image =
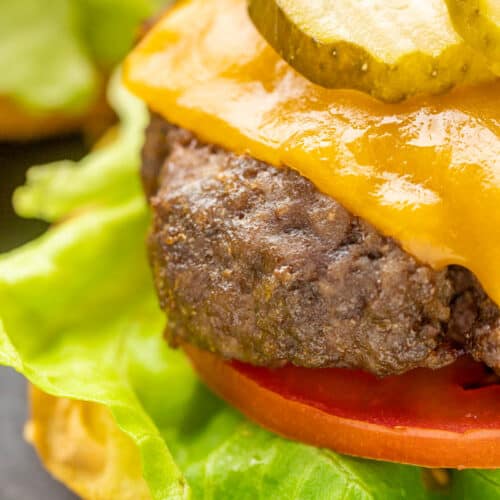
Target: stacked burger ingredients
{"points": [[321, 223]]}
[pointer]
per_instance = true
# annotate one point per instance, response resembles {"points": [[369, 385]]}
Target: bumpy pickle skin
{"points": [[478, 22], [391, 49]]}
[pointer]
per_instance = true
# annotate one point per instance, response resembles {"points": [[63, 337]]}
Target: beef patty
{"points": [[254, 263]]}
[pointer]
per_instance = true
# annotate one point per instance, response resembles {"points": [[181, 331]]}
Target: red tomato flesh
{"points": [[442, 418], [457, 398]]}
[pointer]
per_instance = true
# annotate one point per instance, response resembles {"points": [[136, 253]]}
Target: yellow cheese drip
{"points": [[426, 172]]}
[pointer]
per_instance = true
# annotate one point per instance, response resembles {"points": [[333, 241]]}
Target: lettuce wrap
{"points": [[117, 413]]}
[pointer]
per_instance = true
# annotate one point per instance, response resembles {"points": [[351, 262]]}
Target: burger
{"points": [[326, 259], [55, 62], [287, 247]]}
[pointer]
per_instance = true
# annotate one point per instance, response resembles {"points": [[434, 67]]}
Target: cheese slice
{"points": [[426, 171]]}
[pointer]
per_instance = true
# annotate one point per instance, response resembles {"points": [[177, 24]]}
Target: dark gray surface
{"points": [[22, 477]]}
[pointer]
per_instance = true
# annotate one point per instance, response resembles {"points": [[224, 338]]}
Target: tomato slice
{"points": [[435, 418]]}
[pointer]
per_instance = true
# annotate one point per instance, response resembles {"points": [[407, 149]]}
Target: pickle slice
{"points": [[389, 48], [478, 22]]}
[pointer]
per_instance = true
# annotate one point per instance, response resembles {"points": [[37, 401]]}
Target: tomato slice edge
{"points": [[479, 448]]}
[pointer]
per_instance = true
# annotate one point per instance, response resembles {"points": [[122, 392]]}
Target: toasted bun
{"points": [[81, 445]]}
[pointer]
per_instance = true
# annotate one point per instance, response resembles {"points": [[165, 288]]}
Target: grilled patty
{"points": [[254, 263]]}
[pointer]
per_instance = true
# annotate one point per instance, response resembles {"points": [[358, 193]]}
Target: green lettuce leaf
{"points": [[44, 64], [110, 26], [106, 176], [483, 484], [51, 52], [79, 318]]}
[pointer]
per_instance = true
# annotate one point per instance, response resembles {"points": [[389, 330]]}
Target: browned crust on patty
{"points": [[254, 263]]}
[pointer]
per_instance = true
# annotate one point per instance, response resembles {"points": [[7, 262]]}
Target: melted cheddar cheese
{"points": [[426, 172]]}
